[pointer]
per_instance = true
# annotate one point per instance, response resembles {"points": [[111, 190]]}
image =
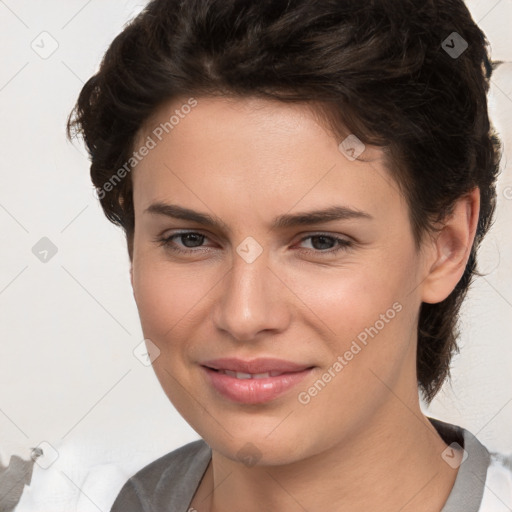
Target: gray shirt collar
{"points": [[468, 490]]}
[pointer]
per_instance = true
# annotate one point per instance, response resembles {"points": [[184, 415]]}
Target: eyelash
{"points": [[343, 244]]}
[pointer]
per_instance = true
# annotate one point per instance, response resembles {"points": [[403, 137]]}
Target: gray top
{"points": [[170, 482]]}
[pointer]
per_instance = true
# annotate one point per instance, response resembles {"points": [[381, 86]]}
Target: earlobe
{"points": [[451, 249]]}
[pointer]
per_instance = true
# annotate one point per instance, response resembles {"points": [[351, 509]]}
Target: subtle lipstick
{"points": [[256, 381]]}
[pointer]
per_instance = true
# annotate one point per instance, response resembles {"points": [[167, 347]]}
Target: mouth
{"points": [[242, 375], [255, 366], [253, 382]]}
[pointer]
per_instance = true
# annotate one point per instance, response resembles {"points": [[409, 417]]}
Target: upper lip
{"points": [[254, 366]]}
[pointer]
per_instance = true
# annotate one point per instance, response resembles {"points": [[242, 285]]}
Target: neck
{"points": [[394, 463]]}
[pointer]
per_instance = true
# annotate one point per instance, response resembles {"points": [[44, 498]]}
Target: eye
{"points": [[190, 237], [193, 240], [320, 240]]}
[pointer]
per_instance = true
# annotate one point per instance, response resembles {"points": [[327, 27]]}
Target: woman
{"points": [[303, 186]]}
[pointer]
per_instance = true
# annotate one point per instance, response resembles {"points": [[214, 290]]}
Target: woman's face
{"points": [[266, 282]]}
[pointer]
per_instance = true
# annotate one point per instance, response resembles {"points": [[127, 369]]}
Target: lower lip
{"points": [[253, 391]]}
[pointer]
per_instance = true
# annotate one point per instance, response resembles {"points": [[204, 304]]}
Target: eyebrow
{"points": [[330, 214]]}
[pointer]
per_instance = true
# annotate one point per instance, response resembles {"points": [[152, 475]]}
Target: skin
{"points": [[362, 442]]}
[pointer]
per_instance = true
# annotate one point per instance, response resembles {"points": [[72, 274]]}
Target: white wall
{"points": [[68, 326]]}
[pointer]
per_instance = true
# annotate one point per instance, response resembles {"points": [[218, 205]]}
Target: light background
{"points": [[68, 326]]}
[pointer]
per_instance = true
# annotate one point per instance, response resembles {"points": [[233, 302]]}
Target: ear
{"points": [[450, 249]]}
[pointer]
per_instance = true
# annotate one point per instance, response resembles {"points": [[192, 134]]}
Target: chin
{"points": [[255, 443], [254, 452]]}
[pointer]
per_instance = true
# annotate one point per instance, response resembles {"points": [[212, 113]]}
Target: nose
{"points": [[252, 300]]}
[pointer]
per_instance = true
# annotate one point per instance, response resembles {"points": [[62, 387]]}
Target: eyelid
{"points": [[339, 236], [184, 231]]}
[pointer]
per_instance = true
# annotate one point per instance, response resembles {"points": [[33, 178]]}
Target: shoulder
{"points": [[484, 477], [167, 483], [498, 484]]}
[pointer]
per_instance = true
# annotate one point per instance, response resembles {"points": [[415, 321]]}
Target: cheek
{"points": [[366, 329], [365, 318], [371, 316], [347, 300], [166, 297]]}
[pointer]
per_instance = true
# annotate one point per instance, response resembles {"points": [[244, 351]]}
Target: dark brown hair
{"points": [[392, 72]]}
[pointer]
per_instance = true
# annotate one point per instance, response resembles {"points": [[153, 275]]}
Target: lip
{"points": [[260, 365], [254, 390]]}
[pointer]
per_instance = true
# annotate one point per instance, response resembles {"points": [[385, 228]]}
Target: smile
{"points": [[242, 375], [269, 379]]}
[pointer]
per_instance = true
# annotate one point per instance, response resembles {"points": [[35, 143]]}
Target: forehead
{"points": [[239, 115], [245, 149]]}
